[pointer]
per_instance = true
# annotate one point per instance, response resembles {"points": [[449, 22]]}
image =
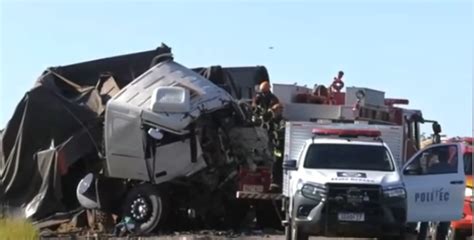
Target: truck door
{"points": [[434, 180]]}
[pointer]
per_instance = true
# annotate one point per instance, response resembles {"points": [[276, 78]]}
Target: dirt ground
{"points": [[203, 237]]}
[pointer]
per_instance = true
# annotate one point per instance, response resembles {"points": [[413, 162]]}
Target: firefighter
{"points": [[265, 98], [261, 104], [277, 137]]}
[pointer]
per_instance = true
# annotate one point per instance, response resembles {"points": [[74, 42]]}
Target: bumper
{"points": [[321, 218], [464, 224]]}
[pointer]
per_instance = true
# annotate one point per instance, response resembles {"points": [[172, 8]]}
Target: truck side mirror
{"points": [[170, 100], [436, 128], [290, 165], [412, 170]]}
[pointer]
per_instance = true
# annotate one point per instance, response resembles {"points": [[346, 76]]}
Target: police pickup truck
{"points": [[344, 181]]}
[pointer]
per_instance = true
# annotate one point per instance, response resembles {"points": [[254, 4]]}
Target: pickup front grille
{"points": [[354, 198]]}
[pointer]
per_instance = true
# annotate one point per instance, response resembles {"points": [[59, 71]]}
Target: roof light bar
{"points": [[466, 140], [347, 132]]}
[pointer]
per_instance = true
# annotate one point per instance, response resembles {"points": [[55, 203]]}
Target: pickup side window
{"points": [[468, 164], [436, 160], [351, 157]]}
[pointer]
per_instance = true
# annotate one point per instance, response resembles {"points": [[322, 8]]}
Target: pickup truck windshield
{"points": [[344, 156], [468, 163]]}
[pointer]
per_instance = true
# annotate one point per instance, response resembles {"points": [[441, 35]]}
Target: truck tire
{"points": [[267, 216], [145, 205]]}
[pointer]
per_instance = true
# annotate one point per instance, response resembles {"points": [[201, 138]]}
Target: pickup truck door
{"points": [[434, 180]]}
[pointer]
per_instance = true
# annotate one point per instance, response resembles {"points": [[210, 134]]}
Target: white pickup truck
{"points": [[344, 180]]}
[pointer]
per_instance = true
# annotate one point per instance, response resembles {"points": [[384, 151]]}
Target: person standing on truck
{"points": [[261, 104], [265, 98], [277, 137]]}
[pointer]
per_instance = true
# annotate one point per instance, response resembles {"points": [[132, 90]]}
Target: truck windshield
{"points": [[468, 163], [343, 156]]}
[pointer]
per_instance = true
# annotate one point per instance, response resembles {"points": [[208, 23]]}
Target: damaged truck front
{"points": [[174, 143], [139, 136]]}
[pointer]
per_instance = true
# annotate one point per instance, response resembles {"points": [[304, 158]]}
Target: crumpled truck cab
{"points": [[173, 137]]}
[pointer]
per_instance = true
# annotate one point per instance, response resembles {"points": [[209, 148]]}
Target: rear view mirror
{"points": [[289, 165], [170, 100]]}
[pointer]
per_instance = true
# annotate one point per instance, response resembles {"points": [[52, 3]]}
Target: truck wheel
{"points": [[144, 204], [297, 234], [267, 217]]}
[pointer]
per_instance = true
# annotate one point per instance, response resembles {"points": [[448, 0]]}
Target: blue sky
{"points": [[420, 50]]}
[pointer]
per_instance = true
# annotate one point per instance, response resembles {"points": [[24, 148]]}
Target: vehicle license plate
{"points": [[351, 217], [252, 188]]}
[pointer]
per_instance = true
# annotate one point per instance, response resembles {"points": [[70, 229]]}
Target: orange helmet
{"points": [[264, 86]]}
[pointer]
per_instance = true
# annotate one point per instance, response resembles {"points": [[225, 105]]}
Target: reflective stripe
{"points": [[255, 195], [277, 153]]}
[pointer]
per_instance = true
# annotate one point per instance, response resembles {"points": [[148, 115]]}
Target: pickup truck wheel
{"points": [[288, 232], [297, 234], [144, 204], [288, 226]]}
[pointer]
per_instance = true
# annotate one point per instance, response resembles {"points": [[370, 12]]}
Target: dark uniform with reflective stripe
{"points": [[277, 137], [265, 100]]}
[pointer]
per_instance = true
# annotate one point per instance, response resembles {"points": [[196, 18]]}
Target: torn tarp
{"points": [[47, 123], [55, 134]]}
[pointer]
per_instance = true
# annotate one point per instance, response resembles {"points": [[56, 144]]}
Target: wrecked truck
{"points": [[138, 135], [179, 139]]}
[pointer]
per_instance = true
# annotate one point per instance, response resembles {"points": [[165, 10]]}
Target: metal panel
{"points": [[173, 163], [296, 134], [205, 96], [305, 112], [308, 111], [286, 93], [372, 97], [125, 157]]}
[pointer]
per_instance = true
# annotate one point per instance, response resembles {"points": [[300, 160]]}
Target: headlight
{"points": [[395, 192], [468, 192], [313, 191]]}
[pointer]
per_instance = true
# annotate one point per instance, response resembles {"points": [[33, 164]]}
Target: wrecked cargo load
{"points": [[145, 137]]}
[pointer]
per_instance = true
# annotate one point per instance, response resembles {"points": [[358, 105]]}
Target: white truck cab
{"points": [[345, 181]]}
